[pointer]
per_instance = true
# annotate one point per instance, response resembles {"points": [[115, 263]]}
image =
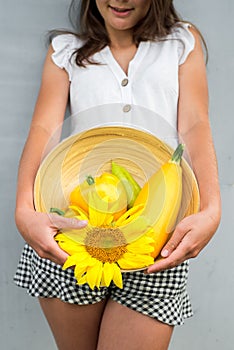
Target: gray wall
{"points": [[23, 24]]}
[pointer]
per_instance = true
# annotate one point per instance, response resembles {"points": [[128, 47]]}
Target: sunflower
{"points": [[104, 247]]}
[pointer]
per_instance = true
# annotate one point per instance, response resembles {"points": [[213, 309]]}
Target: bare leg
{"points": [[125, 329], [74, 327]]}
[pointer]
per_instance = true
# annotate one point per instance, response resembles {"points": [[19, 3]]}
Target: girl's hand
{"points": [[190, 236], [39, 229]]}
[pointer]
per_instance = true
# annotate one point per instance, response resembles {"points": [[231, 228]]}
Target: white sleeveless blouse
{"points": [[146, 98]]}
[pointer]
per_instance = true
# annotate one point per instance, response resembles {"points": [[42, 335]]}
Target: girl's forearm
{"points": [[201, 151], [31, 158]]}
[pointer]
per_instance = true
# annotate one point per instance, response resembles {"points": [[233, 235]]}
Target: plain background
{"points": [[23, 25]]}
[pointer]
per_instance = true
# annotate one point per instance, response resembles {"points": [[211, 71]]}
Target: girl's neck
{"points": [[120, 39], [123, 50]]}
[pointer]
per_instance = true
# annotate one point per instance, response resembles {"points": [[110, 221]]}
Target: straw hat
{"points": [[91, 153]]}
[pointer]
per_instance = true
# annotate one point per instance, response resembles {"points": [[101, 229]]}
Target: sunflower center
{"points": [[105, 244]]}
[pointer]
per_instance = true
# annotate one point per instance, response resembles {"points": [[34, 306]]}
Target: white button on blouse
{"points": [[124, 82], [127, 108]]}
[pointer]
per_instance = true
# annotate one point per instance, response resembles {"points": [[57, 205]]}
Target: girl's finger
{"points": [[176, 258], [53, 252], [61, 222], [58, 255], [180, 231]]}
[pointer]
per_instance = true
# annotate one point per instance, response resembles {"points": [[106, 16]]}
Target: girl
{"points": [[144, 55]]}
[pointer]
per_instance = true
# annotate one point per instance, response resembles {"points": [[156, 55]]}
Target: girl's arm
{"points": [[194, 232], [39, 229]]}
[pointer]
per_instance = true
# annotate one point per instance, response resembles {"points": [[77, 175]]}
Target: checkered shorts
{"points": [[162, 295]]}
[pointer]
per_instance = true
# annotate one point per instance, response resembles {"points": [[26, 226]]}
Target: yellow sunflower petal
{"points": [[71, 261], [135, 249], [146, 239], [94, 275], [96, 217], [139, 259], [82, 280], [117, 278], [87, 261], [99, 275], [77, 235], [141, 246], [79, 271], [107, 275], [80, 212], [133, 261], [83, 259], [59, 237], [109, 219], [135, 229], [69, 246], [130, 215], [98, 211]]}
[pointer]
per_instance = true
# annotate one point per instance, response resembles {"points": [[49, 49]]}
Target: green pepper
{"points": [[132, 188], [57, 211]]}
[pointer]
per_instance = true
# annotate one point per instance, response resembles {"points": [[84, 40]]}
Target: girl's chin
{"points": [[120, 24], [120, 27]]}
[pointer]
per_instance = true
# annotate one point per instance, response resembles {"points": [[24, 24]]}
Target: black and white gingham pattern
{"points": [[162, 296]]}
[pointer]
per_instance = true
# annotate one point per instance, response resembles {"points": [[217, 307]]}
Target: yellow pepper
{"points": [[107, 187]]}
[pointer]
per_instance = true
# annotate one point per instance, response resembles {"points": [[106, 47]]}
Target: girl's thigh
{"points": [[73, 326], [125, 329]]}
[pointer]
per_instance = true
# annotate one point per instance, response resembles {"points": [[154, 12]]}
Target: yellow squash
{"points": [[161, 196]]}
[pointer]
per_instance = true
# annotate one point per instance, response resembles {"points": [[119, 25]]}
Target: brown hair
{"points": [[89, 26]]}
